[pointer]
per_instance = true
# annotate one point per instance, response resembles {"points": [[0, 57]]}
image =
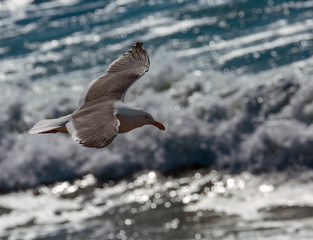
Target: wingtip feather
{"points": [[137, 46]]}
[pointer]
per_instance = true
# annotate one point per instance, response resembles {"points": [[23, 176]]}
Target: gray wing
{"points": [[120, 75], [95, 123]]}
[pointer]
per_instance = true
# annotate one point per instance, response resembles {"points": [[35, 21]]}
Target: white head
{"points": [[146, 118], [131, 118]]}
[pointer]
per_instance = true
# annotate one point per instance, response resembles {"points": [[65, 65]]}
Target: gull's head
{"points": [[147, 119]]}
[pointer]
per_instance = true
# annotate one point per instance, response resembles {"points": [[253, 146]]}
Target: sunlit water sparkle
{"points": [[231, 80]]}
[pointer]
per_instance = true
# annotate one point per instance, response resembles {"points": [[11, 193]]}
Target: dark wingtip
{"points": [[138, 51], [138, 45]]}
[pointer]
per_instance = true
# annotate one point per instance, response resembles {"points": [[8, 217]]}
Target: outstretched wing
{"points": [[120, 75], [95, 123]]}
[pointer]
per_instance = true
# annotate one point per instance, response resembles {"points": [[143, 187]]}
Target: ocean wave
{"points": [[256, 125], [233, 91], [252, 205]]}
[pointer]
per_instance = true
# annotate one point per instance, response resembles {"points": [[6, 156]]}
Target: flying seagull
{"points": [[102, 114]]}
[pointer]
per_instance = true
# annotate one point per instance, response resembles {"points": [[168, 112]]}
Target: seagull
{"points": [[102, 113]]}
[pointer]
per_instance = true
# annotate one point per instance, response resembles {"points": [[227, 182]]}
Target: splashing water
{"points": [[231, 80]]}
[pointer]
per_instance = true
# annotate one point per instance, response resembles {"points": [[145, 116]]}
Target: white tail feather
{"points": [[49, 124]]}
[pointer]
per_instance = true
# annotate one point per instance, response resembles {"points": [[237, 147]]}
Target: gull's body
{"points": [[101, 114]]}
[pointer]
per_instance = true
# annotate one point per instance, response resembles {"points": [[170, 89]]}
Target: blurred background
{"points": [[231, 81]]}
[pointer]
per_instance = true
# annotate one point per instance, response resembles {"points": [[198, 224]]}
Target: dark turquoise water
{"points": [[247, 35], [231, 80]]}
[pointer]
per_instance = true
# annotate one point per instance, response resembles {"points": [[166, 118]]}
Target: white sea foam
{"points": [[279, 42], [252, 199], [274, 31], [202, 118], [176, 26], [15, 5], [242, 122], [256, 195], [212, 117]]}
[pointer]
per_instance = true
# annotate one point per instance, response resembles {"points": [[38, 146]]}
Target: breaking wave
{"points": [[229, 102]]}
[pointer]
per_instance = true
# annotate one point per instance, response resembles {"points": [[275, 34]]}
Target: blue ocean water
{"points": [[230, 79]]}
